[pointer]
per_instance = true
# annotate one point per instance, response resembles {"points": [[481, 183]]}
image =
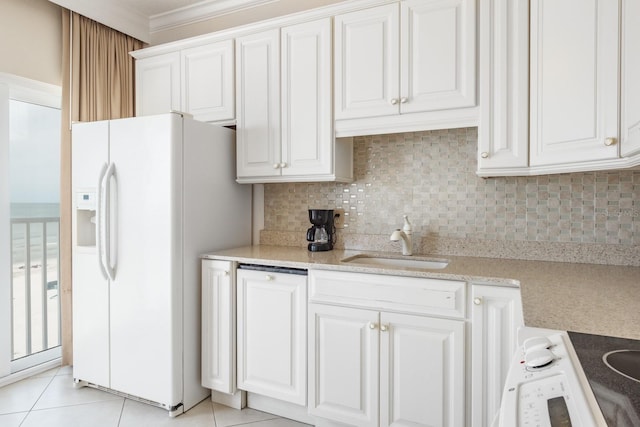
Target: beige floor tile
{"points": [[99, 414], [12, 420], [226, 416], [136, 414], [278, 422], [61, 392], [21, 396]]}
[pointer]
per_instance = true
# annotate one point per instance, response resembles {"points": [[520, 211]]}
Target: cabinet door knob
{"points": [[394, 101], [276, 165], [269, 277], [404, 100], [610, 141], [477, 300], [484, 154], [283, 165], [226, 273], [372, 325], [384, 328]]}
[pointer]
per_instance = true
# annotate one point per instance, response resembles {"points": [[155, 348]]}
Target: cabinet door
{"points": [[496, 316], [158, 84], [207, 82], [438, 44], [630, 123], [422, 365], [272, 335], [366, 63], [574, 81], [258, 104], [307, 136], [503, 133], [218, 326], [343, 364]]}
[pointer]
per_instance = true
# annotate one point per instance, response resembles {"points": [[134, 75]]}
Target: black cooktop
{"points": [[618, 395]]}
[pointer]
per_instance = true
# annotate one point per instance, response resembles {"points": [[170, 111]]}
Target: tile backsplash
{"points": [[431, 177]]}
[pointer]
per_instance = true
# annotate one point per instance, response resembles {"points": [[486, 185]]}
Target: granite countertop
{"points": [[587, 298]]}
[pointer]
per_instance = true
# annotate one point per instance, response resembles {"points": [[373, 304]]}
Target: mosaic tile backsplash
{"points": [[430, 176]]}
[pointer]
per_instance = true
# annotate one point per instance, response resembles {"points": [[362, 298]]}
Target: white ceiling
{"points": [[140, 18]]}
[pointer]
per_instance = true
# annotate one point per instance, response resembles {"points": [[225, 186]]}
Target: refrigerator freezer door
{"points": [[146, 295], [90, 151]]}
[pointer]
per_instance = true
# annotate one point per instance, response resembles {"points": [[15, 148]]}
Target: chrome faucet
{"points": [[405, 236]]}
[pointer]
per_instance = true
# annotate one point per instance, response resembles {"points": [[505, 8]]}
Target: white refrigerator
{"points": [[150, 195]]}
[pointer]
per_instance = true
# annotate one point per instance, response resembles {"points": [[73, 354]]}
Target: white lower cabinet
{"points": [[370, 368], [368, 350], [218, 326], [272, 312], [496, 315]]}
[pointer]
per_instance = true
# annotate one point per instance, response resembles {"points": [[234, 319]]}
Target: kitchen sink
{"points": [[393, 261]]}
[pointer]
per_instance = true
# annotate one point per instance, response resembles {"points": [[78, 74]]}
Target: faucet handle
{"points": [[407, 225]]}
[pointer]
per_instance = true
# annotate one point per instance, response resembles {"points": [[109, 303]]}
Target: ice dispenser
{"points": [[86, 207]]}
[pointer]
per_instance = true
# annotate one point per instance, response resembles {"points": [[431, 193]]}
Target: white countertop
{"points": [[588, 298]]}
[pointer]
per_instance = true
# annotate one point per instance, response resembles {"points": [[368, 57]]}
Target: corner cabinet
{"points": [[581, 111], [197, 81], [272, 334], [284, 109], [393, 363], [397, 60]]}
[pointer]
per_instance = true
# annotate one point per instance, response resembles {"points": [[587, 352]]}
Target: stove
{"points": [[612, 368], [545, 385]]}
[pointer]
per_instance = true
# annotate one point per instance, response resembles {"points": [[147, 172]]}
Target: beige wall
{"points": [[267, 11], [31, 33]]}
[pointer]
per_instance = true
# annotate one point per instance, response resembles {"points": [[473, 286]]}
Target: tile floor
{"points": [[50, 400]]}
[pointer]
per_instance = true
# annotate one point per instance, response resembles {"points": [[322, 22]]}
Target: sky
{"points": [[34, 153]]}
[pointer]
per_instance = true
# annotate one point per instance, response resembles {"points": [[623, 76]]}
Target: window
{"points": [[29, 218]]}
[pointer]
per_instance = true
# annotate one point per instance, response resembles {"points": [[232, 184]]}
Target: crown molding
{"points": [[202, 11]]}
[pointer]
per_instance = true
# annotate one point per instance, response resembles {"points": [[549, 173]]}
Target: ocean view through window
{"points": [[34, 213]]}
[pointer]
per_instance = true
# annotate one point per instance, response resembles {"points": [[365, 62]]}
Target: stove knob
{"points": [[536, 343], [538, 358]]}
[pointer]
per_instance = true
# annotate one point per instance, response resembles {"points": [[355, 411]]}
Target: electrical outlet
{"points": [[338, 218]]}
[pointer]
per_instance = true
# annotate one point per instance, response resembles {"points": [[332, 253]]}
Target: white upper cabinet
{"points": [[574, 81], [284, 101], [258, 107], [400, 59], [437, 55], [158, 84], [367, 57], [307, 122], [630, 120], [558, 89], [198, 81], [503, 134], [207, 83]]}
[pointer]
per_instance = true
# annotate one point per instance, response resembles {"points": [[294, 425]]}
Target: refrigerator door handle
{"points": [[109, 226], [100, 221]]}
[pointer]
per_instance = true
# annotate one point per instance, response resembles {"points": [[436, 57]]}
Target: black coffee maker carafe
{"points": [[322, 233]]}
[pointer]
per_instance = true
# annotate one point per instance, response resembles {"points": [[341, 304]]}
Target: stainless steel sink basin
{"points": [[392, 261]]}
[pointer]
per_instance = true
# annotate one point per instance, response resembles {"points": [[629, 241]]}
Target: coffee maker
{"points": [[322, 233]]}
